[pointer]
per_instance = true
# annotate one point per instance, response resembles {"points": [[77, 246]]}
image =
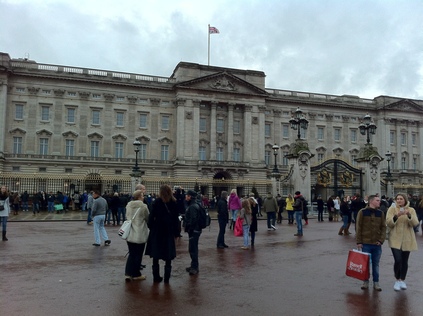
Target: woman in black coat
{"points": [[163, 223], [254, 214]]}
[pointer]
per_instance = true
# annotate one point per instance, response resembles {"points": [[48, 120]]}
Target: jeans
{"points": [[133, 263], [401, 263], [299, 220], [89, 219], [221, 236], [50, 207], [3, 220], [35, 207], [25, 206], [121, 214], [376, 252], [345, 219], [99, 229], [290, 217], [234, 214], [193, 248], [84, 206], [245, 231], [271, 218], [108, 215]]}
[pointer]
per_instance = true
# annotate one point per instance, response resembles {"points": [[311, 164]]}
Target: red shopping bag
{"points": [[358, 265], [238, 232]]}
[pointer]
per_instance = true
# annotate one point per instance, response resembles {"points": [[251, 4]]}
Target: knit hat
{"points": [[192, 193], [298, 193]]}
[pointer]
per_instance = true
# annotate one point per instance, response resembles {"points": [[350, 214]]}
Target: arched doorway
{"points": [[220, 182], [93, 181]]}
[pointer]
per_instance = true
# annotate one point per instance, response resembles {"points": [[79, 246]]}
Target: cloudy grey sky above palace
{"points": [[358, 47]]}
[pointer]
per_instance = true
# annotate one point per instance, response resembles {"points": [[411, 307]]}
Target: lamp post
{"points": [[367, 126], [275, 172], [298, 122], [136, 170], [389, 179]]}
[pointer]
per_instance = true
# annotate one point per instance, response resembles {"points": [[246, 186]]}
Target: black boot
{"points": [[168, 269], [4, 236], [156, 274]]}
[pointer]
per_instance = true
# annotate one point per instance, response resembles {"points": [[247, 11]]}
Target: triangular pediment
{"points": [[223, 82], [95, 135], [44, 132], [404, 105], [70, 134], [17, 130]]}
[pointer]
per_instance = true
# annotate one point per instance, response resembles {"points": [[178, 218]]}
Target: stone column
{"points": [[196, 128], [247, 133], [369, 160], [213, 131], [229, 156], [3, 116], [180, 129], [301, 177]]}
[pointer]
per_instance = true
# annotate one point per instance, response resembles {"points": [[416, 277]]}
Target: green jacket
{"points": [[370, 226]]}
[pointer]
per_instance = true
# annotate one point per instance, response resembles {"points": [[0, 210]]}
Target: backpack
{"points": [[204, 219]]}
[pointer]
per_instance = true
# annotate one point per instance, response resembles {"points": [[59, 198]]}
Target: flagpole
{"points": [[208, 46]]}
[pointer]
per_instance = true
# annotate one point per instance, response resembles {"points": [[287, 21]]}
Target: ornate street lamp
{"points": [[275, 172], [136, 170], [367, 126], [388, 156], [298, 122]]}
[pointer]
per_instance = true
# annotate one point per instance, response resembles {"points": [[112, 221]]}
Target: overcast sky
{"points": [[358, 47]]}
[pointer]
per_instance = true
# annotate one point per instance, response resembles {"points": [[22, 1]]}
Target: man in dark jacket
{"points": [[298, 206], [222, 218], [193, 230]]}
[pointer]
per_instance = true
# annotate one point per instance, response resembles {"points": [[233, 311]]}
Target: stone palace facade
{"points": [[71, 129]]}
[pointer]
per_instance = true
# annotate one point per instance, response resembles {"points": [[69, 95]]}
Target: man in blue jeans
{"points": [[298, 207], [370, 235]]}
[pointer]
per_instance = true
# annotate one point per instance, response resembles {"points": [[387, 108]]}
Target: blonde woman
{"points": [[4, 210], [290, 209], [401, 220], [245, 214]]}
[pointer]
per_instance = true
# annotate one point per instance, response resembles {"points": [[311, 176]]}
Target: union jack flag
{"points": [[213, 30]]}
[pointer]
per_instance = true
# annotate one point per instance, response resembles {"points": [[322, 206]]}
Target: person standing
{"points": [[337, 207], [245, 215], [99, 210], [114, 206], [4, 210], [346, 215], [163, 223], [138, 236], [192, 214], [270, 206], [89, 208], [331, 208], [289, 208], [320, 207], [50, 201], [281, 206], [25, 200], [222, 219], [298, 206], [401, 220], [234, 205], [370, 235], [254, 214]]}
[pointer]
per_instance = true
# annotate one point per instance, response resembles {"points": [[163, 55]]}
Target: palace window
{"points": [[337, 134], [220, 125], [43, 146], [219, 153], [120, 118], [203, 124], [267, 130], [237, 127], [165, 122], [70, 115], [403, 138], [118, 150], [95, 116], [353, 135], [413, 139], [202, 153], [69, 147], [17, 145], [267, 154], [19, 111], [143, 120], [165, 152], [285, 131], [95, 148], [320, 133], [285, 159], [45, 113], [392, 137], [237, 154], [143, 151]]}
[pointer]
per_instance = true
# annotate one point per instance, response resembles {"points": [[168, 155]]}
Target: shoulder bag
{"points": [[126, 227]]}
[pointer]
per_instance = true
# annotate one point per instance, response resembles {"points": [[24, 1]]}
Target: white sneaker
{"points": [[403, 286], [273, 227], [397, 286], [269, 229]]}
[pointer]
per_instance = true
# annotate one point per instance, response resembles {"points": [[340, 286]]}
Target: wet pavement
{"points": [[51, 268]]}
